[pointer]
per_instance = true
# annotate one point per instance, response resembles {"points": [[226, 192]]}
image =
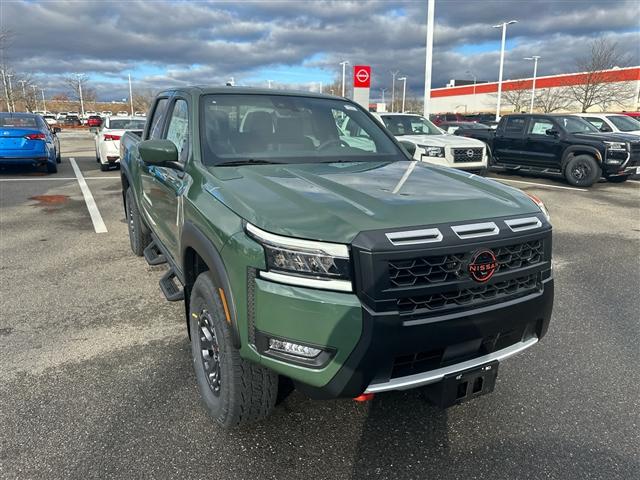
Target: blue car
{"points": [[26, 139]]}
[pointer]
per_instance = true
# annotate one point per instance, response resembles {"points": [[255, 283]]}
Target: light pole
{"points": [[475, 80], [344, 67], [393, 90], [404, 90], [383, 90], [80, 92], [130, 95], [502, 25], [44, 103], [269, 83], [6, 91], [35, 96], [535, 59], [13, 103], [429, 59], [24, 94]]}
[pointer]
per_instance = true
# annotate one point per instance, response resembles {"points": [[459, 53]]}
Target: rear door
{"points": [[542, 150], [508, 142]]}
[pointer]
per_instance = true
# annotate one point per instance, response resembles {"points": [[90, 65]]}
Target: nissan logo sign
{"points": [[470, 153]]}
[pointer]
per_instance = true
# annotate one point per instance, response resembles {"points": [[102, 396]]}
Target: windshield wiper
{"points": [[247, 161]]}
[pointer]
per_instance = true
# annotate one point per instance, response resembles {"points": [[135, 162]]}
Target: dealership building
{"points": [[482, 97]]}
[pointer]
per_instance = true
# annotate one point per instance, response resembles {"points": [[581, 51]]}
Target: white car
{"points": [[61, 116], [50, 119], [107, 138], [433, 145], [106, 113], [122, 113], [139, 114], [612, 122]]}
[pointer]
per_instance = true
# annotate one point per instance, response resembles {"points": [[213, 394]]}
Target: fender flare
{"points": [[192, 237], [569, 153]]}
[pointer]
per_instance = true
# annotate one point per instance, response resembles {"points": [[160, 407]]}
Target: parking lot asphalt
{"points": [[96, 378]]}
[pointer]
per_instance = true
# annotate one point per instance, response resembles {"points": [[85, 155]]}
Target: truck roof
{"points": [[208, 89]]}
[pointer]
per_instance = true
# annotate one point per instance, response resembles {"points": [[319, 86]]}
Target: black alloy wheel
{"points": [[210, 349]]}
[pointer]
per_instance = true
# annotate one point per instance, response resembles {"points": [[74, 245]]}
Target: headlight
{"points": [[616, 146], [540, 205], [305, 263], [432, 151]]}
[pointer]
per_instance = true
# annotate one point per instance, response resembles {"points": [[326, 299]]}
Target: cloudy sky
{"points": [[297, 43]]}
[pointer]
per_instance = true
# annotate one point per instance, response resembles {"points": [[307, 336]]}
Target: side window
{"points": [[178, 131], [155, 130], [598, 123], [514, 126], [539, 126]]}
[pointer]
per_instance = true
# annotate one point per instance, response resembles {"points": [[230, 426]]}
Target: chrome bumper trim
{"points": [[433, 376]]}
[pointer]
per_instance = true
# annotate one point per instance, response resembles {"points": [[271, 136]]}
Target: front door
{"points": [[509, 140], [170, 184], [541, 149]]}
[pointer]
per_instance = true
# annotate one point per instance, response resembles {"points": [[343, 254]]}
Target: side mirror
{"points": [[410, 147], [162, 153], [552, 132], [57, 129]]}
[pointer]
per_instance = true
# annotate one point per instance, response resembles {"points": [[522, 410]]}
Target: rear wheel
{"points": [[139, 236], [104, 167], [58, 157], [233, 390], [582, 171]]}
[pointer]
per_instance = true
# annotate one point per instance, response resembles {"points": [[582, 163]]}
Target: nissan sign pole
{"points": [[362, 85]]}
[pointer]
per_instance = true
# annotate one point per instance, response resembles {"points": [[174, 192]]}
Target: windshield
{"points": [[576, 125], [409, 125], [624, 123], [19, 121], [289, 129], [126, 124]]}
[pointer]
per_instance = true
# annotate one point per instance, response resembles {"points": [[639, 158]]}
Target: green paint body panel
{"points": [[311, 316]]}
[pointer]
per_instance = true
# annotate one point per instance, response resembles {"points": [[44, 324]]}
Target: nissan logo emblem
{"points": [[470, 153]]}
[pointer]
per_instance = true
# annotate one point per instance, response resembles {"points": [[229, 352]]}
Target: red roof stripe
{"points": [[618, 75]]}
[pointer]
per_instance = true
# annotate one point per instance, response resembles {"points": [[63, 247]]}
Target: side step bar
{"points": [[171, 287], [153, 255]]}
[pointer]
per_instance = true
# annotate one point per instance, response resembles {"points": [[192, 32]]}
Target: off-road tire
{"points": [[618, 178], [582, 171], [246, 392], [104, 167], [139, 236]]}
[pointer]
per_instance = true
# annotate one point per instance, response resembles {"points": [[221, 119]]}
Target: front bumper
{"points": [[449, 161]]}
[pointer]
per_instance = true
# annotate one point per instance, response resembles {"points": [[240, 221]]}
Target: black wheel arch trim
{"points": [[587, 149], [192, 237]]}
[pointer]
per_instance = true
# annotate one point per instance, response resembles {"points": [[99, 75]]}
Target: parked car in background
{"points": [[50, 119], [344, 271], [439, 118], [428, 143], [138, 113], [560, 143], [122, 113], [612, 122], [71, 121], [452, 127], [61, 115], [107, 113], [26, 139], [635, 115], [73, 114], [107, 138], [94, 121]]}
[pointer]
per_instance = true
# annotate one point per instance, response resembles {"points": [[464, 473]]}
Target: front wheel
{"points": [[233, 390], [582, 171], [139, 237]]}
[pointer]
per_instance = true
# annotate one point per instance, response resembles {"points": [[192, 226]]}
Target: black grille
{"points": [[634, 159], [482, 294], [461, 155], [445, 268]]}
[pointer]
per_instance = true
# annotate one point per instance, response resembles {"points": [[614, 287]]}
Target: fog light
{"points": [[293, 348]]}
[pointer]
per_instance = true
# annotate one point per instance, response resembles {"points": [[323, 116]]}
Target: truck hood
{"points": [[608, 137], [452, 141], [336, 201]]}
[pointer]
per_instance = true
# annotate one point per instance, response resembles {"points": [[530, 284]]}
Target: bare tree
{"points": [[597, 89], [549, 100], [142, 99], [77, 85], [518, 97]]}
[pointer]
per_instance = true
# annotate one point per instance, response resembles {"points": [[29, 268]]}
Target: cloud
{"points": [[197, 42]]}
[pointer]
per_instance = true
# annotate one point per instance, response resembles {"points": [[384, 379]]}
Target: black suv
{"points": [[562, 144]]}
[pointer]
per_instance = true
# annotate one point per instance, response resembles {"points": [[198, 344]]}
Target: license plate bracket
{"points": [[463, 386]]}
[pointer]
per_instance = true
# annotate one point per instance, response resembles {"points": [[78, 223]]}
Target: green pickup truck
{"points": [[339, 270]]}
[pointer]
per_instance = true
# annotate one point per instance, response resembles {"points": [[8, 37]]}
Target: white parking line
{"points": [[96, 218], [46, 179], [538, 184]]}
